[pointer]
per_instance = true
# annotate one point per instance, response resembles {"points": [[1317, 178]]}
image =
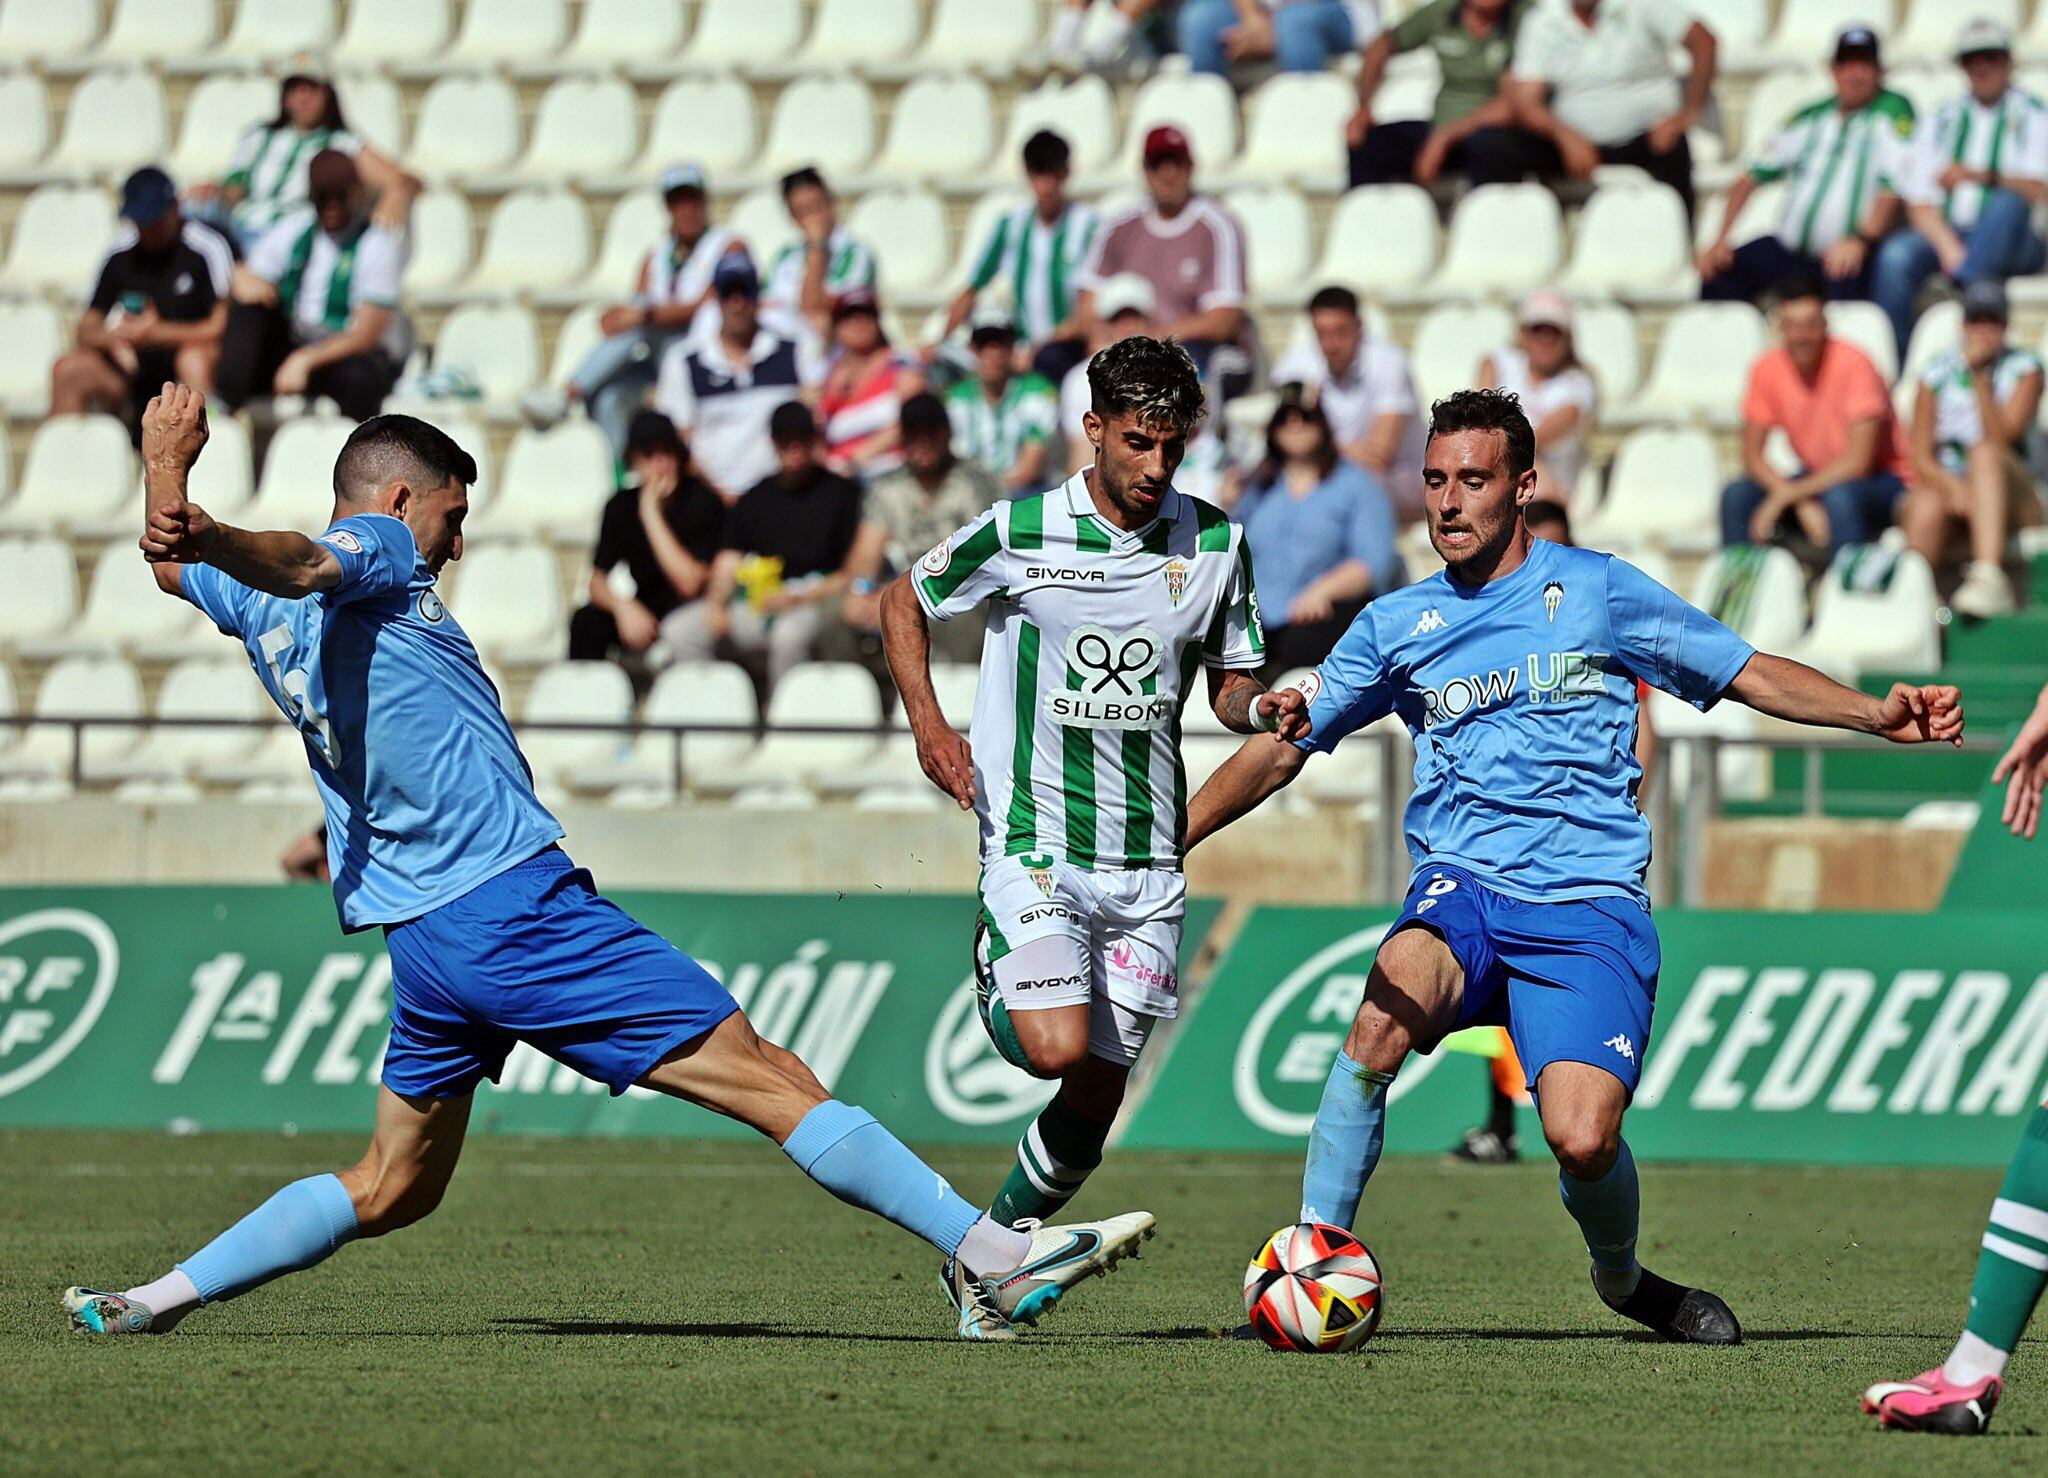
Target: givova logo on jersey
{"points": [[1553, 677], [1109, 673]]}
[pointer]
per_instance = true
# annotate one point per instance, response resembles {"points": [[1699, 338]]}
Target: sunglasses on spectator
{"points": [[329, 197]]}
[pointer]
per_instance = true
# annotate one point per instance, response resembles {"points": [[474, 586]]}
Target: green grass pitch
{"points": [[639, 1306]]}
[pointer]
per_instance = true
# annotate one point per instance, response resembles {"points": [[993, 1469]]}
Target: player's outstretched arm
{"points": [[1245, 705], [1793, 691], [907, 640], [1262, 765], [2024, 769]]}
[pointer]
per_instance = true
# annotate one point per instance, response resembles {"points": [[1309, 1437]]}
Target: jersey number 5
{"points": [[292, 683]]}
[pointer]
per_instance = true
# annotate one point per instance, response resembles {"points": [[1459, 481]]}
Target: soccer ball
{"points": [[1313, 1288]]}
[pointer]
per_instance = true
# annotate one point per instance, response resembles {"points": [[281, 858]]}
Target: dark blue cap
{"points": [[735, 274], [147, 196], [1856, 44]]}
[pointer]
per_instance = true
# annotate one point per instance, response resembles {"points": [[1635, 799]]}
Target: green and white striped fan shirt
{"points": [[996, 435], [1041, 260], [269, 168], [2009, 137], [849, 263], [1096, 638], [1958, 422], [1838, 164]]}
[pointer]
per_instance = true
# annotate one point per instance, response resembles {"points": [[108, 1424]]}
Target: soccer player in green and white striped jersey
{"points": [[1843, 159], [1105, 598]]}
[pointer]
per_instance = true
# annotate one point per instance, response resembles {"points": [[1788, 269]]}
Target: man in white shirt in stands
{"points": [[1980, 170], [316, 305], [1592, 83], [721, 392], [1367, 393]]}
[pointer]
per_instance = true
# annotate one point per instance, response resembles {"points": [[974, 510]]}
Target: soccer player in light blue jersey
{"points": [[1515, 670], [436, 837]]}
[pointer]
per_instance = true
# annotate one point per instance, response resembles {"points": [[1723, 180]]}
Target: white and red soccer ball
{"points": [[1315, 1289]]}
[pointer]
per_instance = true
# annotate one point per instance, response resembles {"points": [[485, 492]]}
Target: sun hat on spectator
{"points": [[1126, 292]]}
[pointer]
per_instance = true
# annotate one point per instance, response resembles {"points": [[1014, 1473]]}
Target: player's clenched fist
{"points": [[178, 532], [1283, 712], [1915, 715], [173, 430], [943, 752]]}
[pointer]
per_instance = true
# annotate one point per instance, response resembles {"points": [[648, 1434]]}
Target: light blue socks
{"points": [[1607, 1211], [1344, 1144], [301, 1225], [847, 1152]]}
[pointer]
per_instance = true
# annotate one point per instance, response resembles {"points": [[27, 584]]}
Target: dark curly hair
{"points": [[1153, 379], [1488, 410]]}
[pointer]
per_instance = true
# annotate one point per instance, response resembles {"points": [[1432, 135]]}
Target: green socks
{"points": [[1053, 1159], [2014, 1265]]}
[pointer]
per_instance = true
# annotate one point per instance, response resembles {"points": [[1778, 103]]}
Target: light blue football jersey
{"points": [[426, 792], [1521, 696]]}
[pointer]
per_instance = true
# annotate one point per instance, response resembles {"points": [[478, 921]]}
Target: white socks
{"points": [[992, 1248], [1614, 1286], [169, 1299], [1111, 35], [1066, 32], [1973, 1359]]}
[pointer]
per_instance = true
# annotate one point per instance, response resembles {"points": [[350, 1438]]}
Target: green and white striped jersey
{"points": [[270, 167], [1958, 423], [996, 435], [1838, 164], [1041, 262], [2009, 137], [1096, 638]]}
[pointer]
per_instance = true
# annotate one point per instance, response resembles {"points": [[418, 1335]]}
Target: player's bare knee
{"points": [[1584, 1144], [1378, 1039], [1055, 1055]]}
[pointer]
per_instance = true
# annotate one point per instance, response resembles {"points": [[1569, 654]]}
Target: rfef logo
{"points": [[57, 969], [967, 1078]]}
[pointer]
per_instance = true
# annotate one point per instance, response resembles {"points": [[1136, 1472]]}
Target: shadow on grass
{"points": [[561, 1327], [702, 1331]]}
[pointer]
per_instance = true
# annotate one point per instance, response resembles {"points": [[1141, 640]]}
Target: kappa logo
{"points": [[936, 560], [1621, 1044], [57, 971], [1176, 579], [1553, 597], [1432, 620]]}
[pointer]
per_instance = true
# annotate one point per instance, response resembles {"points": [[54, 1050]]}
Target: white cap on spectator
{"points": [[1126, 292], [1981, 35], [1545, 307]]}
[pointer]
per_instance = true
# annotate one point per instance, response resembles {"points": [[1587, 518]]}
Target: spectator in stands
{"points": [[1367, 391], [783, 561], [1472, 41], [268, 180], [910, 511], [865, 388], [1115, 36], [666, 532], [1191, 249], [826, 262], [316, 308], [675, 282], [1123, 305], [1321, 531], [722, 390], [1971, 417], [1834, 408], [1592, 83], [1039, 248], [157, 310], [1845, 156], [1003, 420], [1301, 35], [1557, 392], [1979, 170]]}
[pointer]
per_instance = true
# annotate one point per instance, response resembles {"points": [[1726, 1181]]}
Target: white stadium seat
{"points": [[443, 242], [1451, 340], [1937, 331], [375, 109], [1930, 27], [1605, 336], [1665, 487], [636, 220], [857, 34], [586, 127], [217, 113], [1875, 607], [508, 596], [686, 693], [496, 32], [706, 119], [1702, 365], [38, 587], [40, 29], [81, 687], [24, 123], [1083, 112], [58, 240], [625, 33], [1406, 98], [34, 335], [1758, 590], [1295, 130], [826, 121], [942, 128], [1776, 99], [1807, 28], [1276, 227], [894, 767], [973, 33], [383, 31], [1381, 238], [280, 28], [223, 480], [1740, 29], [1758, 218], [151, 30], [760, 219], [1865, 326], [579, 334], [738, 32], [496, 344], [1201, 106], [538, 238], [125, 611], [296, 490], [811, 696], [1504, 238], [2033, 41], [907, 230], [113, 119], [466, 126], [555, 482], [1633, 243], [572, 692], [80, 477], [200, 688]]}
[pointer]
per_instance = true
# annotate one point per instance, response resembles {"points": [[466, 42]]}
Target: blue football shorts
{"points": [[537, 954], [1571, 982]]}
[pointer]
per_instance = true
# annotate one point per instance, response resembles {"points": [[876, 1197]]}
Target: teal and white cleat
{"points": [[978, 1316], [1061, 1257], [93, 1312]]}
